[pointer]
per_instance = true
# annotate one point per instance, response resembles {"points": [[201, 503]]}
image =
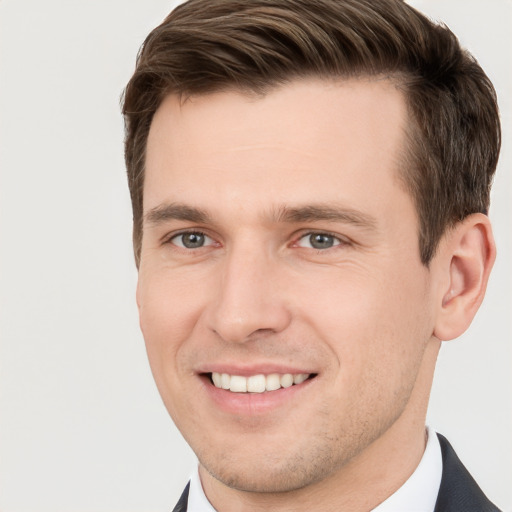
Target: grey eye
{"points": [[192, 240], [319, 241]]}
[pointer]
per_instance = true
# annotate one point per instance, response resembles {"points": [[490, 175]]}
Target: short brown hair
{"points": [[206, 46]]}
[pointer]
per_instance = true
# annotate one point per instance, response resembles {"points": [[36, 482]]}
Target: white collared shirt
{"points": [[417, 494]]}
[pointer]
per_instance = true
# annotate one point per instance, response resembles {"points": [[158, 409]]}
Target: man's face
{"points": [[278, 240]]}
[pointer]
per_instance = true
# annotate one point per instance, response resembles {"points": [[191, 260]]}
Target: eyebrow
{"points": [[313, 213], [284, 214], [175, 211]]}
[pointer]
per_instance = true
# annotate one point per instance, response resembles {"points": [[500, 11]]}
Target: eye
{"points": [[191, 240], [318, 241]]}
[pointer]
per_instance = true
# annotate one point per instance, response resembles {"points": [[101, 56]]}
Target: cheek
{"points": [[371, 318], [167, 317], [168, 312]]}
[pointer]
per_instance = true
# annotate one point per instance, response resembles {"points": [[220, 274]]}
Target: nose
{"points": [[250, 299]]}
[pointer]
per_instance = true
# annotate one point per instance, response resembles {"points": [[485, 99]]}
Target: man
{"points": [[310, 183]]}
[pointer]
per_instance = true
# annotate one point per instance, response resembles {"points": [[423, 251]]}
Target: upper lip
{"points": [[246, 370]]}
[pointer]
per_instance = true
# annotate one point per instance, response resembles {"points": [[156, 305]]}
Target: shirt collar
{"points": [[417, 494], [197, 501]]}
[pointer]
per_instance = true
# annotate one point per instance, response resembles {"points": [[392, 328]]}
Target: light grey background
{"points": [[82, 427]]}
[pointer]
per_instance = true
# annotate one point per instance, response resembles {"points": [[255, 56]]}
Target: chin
{"points": [[264, 479], [272, 472]]}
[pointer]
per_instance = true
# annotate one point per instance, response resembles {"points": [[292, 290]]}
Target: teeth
{"points": [[224, 381], [299, 378], [257, 383], [286, 380], [273, 382], [238, 384], [217, 379]]}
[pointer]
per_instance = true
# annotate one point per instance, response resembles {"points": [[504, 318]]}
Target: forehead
{"points": [[300, 143]]}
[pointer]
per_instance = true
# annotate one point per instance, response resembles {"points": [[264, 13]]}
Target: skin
{"points": [[364, 316]]}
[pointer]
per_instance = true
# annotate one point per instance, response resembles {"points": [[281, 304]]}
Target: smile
{"points": [[257, 383]]}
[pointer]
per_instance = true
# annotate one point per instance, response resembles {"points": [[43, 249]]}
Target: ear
{"points": [[138, 298], [467, 255], [137, 294], [138, 290]]}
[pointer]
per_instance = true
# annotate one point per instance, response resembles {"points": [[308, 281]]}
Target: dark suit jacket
{"points": [[458, 491]]}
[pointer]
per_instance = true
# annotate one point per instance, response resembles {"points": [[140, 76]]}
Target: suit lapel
{"points": [[459, 491], [181, 506]]}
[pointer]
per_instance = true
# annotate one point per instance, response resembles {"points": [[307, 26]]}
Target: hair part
{"points": [[254, 46]]}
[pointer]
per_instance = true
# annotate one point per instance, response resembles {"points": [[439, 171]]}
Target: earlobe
{"points": [[469, 255]]}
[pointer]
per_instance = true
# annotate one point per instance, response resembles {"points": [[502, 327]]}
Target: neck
{"points": [[360, 485]]}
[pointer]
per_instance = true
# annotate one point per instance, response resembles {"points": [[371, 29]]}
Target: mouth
{"points": [[259, 383]]}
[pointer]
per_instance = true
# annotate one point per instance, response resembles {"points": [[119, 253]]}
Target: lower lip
{"points": [[253, 404]]}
